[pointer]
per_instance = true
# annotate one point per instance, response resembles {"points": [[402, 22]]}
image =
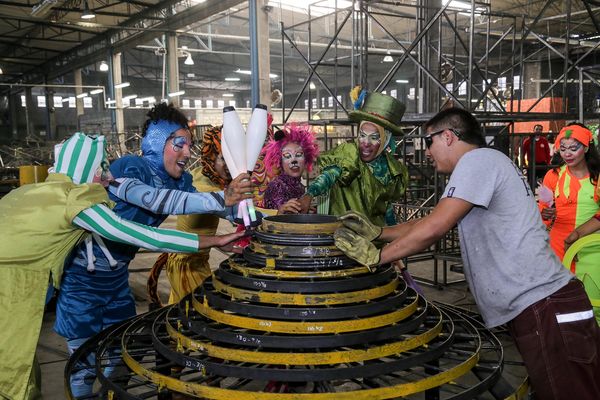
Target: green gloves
{"points": [[361, 225], [357, 247]]}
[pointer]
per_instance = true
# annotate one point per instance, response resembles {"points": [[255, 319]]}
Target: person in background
{"points": [[292, 151], [511, 273], [363, 175], [541, 148], [573, 200], [95, 291], [42, 223]]}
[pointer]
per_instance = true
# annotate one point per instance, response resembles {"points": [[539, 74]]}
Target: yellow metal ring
{"points": [[291, 274], [311, 327], [283, 251], [217, 393], [305, 299], [291, 358]]}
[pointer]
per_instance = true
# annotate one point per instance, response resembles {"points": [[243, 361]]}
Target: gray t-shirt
{"points": [[508, 262]]}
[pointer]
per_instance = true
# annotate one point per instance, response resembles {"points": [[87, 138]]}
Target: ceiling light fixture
{"points": [[228, 95], [1, 72], [87, 13], [232, 79], [189, 60], [96, 91], [103, 66], [122, 85], [401, 80], [243, 71], [175, 94], [388, 57], [81, 95], [312, 86]]}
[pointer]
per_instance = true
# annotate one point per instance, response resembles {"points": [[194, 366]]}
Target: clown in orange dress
{"points": [[576, 200]]}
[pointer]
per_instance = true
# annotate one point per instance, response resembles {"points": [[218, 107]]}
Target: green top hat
{"points": [[380, 109]]}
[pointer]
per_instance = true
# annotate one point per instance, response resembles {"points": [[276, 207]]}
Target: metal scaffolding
{"points": [[487, 61]]}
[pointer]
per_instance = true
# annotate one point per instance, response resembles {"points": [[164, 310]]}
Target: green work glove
{"points": [[361, 225], [358, 248]]}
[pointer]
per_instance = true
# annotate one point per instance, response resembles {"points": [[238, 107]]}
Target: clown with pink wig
{"points": [[292, 151]]}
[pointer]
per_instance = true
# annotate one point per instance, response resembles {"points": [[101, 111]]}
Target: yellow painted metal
{"points": [[283, 251], [295, 274], [291, 358], [522, 392], [306, 299], [310, 327], [218, 393], [327, 228]]}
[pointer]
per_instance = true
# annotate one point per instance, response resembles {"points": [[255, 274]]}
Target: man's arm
{"points": [[412, 237]]}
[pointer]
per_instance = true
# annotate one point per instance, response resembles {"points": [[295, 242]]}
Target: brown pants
{"points": [[560, 345]]}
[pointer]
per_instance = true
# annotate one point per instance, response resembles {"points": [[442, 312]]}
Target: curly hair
{"points": [[167, 112], [291, 133], [210, 149]]}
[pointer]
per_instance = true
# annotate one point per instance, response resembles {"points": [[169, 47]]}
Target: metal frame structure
{"points": [[502, 48]]}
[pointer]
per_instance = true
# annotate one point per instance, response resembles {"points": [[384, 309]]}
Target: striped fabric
{"points": [[101, 220], [79, 157]]}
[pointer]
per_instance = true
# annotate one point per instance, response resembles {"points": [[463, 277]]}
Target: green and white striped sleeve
{"points": [[103, 221]]}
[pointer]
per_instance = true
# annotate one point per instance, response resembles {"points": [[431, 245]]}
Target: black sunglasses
{"points": [[429, 138]]}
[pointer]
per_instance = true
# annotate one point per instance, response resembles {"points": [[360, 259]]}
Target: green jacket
{"points": [[357, 188], [36, 237]]}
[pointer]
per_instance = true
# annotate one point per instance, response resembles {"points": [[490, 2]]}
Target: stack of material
{"points": [[296, 319]]}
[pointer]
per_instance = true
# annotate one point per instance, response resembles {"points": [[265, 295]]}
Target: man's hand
{"points": [[361, 225], [239, 189], [291, 206], [221, 241], [305, 203], [357, 247]]}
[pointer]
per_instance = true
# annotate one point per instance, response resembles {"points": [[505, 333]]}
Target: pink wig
{"points": [[291, 133]]}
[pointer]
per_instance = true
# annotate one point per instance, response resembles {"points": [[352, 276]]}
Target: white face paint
{"points": [[369, 141], [292, 160], [572, 151]]}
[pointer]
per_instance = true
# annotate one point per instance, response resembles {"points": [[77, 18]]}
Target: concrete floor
{"points": [[52, 352]]}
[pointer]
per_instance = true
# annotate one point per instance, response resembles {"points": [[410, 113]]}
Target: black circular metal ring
{"points": [[378, 306], [301, 374], [334, 262], [382, 275], [293, 240]]}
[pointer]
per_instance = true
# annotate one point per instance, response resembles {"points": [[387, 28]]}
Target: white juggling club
{"points": [[233, 145], [256, 133]]}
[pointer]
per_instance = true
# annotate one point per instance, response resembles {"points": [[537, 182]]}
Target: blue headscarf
{"points": [[153, 144]]}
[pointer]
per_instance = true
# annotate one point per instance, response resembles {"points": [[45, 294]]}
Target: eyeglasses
{"points": [[429, 138], [179, 141]]}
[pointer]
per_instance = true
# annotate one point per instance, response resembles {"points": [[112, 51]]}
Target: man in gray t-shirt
{"points": [[513, 274]]}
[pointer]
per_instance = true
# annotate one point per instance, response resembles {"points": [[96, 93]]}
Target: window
{"points": [[139, 102], [305, 103], [87, 102], [411, 93], [57, 100], [185, 103], [41, 100], [209, 104], [23, 101], [502, 83], [462, 88], [232, 103], [72, 103], [220, 103], [314, 103], [450, 87], [197, 103], [330, 101], [517, 82], [394, 93]]}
